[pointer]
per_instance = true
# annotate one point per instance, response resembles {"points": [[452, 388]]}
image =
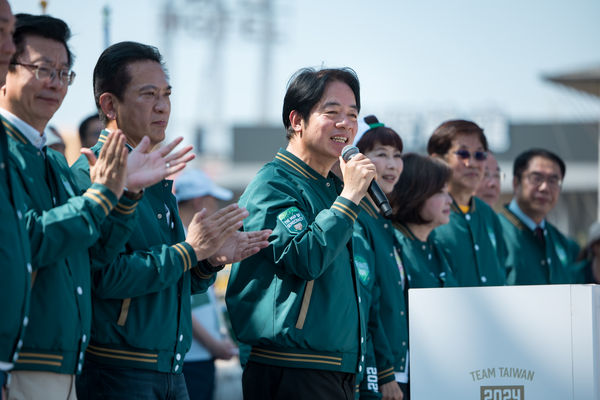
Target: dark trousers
{"points": [[405, 387], [267, 382], [105, 382], [200, 379]]}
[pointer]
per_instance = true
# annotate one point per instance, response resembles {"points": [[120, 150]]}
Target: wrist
{"points": [[133, 195], [353, 197]]}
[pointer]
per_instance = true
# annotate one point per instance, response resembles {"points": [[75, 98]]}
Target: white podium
{"points": [[505, 343]]}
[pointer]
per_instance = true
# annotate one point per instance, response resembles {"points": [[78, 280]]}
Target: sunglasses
{"points": [[466, 154]]}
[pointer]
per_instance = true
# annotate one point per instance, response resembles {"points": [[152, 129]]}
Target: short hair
{"points": [[306, 87], [43, 26], [84, 125], [421, 178], [522, 161], [441, 139], [110, 72], [378, 134]]}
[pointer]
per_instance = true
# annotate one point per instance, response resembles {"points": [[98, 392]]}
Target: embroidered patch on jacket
{"points": [[293, 220], [362, 269]]}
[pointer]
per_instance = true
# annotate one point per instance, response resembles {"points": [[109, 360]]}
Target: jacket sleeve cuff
{"points": [[386, 375], [187, 253], [345, 207], [206, 270], [102, 196], [126, 206]]}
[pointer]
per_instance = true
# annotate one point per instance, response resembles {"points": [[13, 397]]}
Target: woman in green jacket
{"points": [[421, 203], [381, 279]]}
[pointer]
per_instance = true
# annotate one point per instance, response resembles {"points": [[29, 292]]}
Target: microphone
{"points": [[374, 189]]}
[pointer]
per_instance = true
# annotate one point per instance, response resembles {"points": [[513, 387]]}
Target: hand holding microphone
{"points": [[362, 177]]}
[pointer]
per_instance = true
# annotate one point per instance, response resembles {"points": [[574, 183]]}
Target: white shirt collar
{"points": [[27, 130], [514, 207]]}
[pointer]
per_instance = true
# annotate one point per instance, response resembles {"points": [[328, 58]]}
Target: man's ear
{"points": [[516, 182], [296, 122], [108, 105]]}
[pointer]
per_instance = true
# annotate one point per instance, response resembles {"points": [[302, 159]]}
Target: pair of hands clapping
{"points": [[217, 238], [117, 168]]}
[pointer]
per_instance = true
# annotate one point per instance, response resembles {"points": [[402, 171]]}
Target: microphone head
{"points": [[349, 151]]}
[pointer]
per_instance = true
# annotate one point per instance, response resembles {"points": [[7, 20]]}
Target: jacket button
{"points": [[483, 279], [79, 290], [178, 356], [181, 338], [176, 368], [159, 216], [476, 247], [468, 217]]}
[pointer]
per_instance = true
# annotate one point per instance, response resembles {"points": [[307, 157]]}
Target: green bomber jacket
{"points": [[374, 246], [537, 263], [424, 263], [15, 266], [296, 302], [61, 226], [142, 298], [474, 246]]}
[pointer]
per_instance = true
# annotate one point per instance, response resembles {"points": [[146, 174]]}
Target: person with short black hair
{"points": [[65, 223], [297, 302], [539, 252], [142, 325], [472, 241], [89, 130], [60, 225], [422, 203]]}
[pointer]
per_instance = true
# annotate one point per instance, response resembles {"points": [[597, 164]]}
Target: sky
{"points": [[419, 62]]}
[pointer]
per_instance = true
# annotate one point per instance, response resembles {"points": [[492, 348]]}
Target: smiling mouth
{"points": [[339, 139]]}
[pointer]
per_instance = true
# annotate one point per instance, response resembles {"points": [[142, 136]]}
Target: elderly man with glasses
{"points": [[64, 224], [472, 240], [539, 253]]}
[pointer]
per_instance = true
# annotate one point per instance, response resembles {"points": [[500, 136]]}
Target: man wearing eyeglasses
{"points": [[62, 222], [472, 241], [539, 253]]}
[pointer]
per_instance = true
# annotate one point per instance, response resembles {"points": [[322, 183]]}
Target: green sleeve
{"points": [[201, 278], [141, 272], [309, 248], [116, 228], [56, 233]]}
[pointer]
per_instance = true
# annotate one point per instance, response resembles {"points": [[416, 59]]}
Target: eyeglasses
{"points": [[466, 154], [65, 76], [536, 179]]}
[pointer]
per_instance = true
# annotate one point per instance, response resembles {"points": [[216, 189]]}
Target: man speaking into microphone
{"points": [[297, 302]]}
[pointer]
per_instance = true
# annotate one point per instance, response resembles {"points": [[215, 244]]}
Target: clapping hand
{"points": [[145, 166], [110, 168]]}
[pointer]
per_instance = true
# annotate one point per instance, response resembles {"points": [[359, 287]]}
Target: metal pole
{"points": [[106, 25]]}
